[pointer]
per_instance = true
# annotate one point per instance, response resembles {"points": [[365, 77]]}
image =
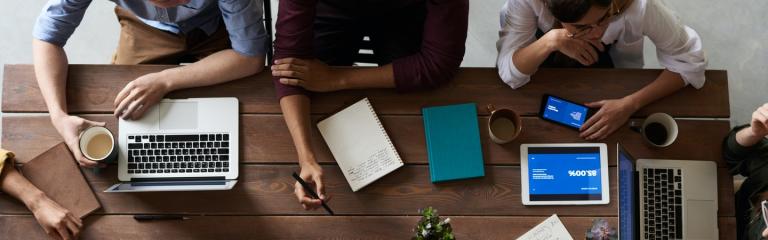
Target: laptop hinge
{"points": [[167, 179]]}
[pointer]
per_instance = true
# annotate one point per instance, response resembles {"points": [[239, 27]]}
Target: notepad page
{"points": [[550, 229], [359, 144]]}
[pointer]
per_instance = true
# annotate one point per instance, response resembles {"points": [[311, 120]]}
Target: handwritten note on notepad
{"points": [[359, 144], [549, 229]]}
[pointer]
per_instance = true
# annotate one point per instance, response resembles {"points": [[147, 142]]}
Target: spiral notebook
{"points": [[360, 144]]}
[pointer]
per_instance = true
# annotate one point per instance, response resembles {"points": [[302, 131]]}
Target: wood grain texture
{"points": [[262, 204], [92, 89], [312, 227], [268, 190], [265, 139]]}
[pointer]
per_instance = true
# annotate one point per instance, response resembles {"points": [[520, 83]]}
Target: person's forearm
{"points": [[51, 72], [667, 83], [362, 78], [14, 184], [222, 66], [746, 137], [528, 59], [296, 113]]}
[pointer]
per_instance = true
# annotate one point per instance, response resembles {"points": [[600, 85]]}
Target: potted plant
{"points": [[601, 230], [431, 228]]}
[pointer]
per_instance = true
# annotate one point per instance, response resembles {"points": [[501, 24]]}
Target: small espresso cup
{"points": [[98, 144], [658, 130], [504, 125]]}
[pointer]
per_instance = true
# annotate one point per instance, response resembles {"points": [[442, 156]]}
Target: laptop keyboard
{"points": [[662, 203], [182, 153]]}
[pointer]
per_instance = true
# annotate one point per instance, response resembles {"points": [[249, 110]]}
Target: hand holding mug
{"points": [[69, 127]]}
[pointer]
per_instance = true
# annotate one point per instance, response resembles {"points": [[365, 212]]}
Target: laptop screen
{"points": [[627, 194]]}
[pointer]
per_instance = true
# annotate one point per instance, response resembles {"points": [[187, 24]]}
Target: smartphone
{"points": [[564, 112]]}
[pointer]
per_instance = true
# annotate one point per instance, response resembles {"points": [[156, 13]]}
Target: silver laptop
{"points": [[180, 145], [677, 198]]}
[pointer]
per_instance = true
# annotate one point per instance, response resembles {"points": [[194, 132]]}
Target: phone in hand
{"points": [[564, 112]]}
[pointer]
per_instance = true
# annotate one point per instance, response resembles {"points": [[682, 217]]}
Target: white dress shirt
{"points": [[678, 47]]}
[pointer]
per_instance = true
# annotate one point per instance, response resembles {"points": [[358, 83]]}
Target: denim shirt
{"points": [[243, 20]]}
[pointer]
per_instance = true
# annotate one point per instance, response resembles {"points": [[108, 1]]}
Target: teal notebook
{"points": [[453, 142]]}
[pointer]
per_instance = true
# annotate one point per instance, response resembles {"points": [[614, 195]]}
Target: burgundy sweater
{"points": [[442, 46]]}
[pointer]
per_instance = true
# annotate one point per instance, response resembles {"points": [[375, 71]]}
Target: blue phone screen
{"points": [[565, 112]]}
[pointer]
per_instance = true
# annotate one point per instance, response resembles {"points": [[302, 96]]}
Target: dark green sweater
{"points": [[751, 162]]}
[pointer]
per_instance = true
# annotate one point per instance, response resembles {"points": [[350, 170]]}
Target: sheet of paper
{"points": [[549, 229], [359, 144]]}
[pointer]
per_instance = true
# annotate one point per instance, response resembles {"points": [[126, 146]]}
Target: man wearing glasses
{"points": [[599, 33], [224, 39]]}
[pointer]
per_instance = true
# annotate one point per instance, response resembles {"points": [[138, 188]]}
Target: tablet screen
{"points": [[564, 173]]}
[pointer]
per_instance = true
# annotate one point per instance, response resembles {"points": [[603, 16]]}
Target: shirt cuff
{"points": [[5, 155], [734, 147], [282, 90], [45, 30], [510, 74], [250, 48]]}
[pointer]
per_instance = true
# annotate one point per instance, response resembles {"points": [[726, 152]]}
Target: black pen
{"points": [[311, 193], [152, 217]]}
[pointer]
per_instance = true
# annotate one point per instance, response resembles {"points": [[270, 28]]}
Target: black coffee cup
{"points": [[658, 130]]}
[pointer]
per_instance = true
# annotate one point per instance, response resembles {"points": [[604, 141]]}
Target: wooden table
{"points": [[262, 204]]}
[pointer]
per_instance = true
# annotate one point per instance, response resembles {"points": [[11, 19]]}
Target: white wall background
{"points": [[733, 33]]}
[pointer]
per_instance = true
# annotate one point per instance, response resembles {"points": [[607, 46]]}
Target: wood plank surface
{"points": [[262, 204], [265, 139], [92, 89], [312, 227], [268, 190]]}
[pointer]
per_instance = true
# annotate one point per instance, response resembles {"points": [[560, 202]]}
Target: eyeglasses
{"points": [[583, 30]]}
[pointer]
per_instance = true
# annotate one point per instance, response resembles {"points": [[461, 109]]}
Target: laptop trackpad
{"points": [[701, 219], [178, 115]]}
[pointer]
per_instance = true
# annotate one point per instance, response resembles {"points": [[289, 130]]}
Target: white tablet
{"points": [[564, 174]]}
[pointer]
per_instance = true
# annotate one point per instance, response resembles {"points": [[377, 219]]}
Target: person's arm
{"points": [[223, 66], [679, 50], [57, 221], [243, 20], [521, 54], [441, 53], [614, 113], [296, 112], [743, 141], [53, 28], [294, 36]]}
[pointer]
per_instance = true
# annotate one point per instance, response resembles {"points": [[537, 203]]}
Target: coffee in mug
{"points": [[659, 130], [504, 125], [98, 144]]}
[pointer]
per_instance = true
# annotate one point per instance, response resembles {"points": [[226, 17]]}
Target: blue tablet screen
{"points": [[565, 112], [564, 173]]}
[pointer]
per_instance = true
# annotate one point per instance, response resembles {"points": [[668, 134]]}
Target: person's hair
{"points": [[573, 10]]}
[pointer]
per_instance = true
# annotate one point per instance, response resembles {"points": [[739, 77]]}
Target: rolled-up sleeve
{"points": [[58, 20], [442, 48], [678, 47], [244, 22], [518, 29]]}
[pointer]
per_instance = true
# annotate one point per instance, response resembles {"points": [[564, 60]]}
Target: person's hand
{"points": [[310, 74], [57, 221], [69, 127], [580, 50], [312, 174], [612, 115], [139, 95], [759, 123]]}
